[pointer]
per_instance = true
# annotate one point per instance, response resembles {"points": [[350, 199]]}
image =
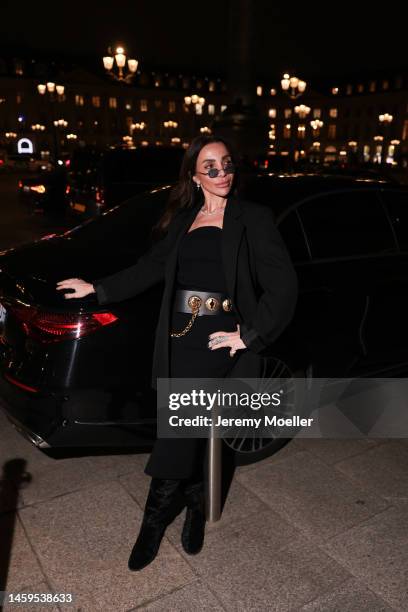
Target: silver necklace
{"points": [[206, 212]]}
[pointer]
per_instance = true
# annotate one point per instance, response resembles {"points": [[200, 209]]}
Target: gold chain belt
{"points": [[213, 303]]}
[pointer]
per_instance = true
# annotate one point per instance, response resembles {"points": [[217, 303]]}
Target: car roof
{"points": [[283, 189]]}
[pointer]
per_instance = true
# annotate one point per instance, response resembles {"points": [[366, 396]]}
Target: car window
{"points": [[346, 224], [397, 206], [292, 234], [124, 228]]}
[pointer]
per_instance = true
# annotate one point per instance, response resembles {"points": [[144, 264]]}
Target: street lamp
{"points": [[293, 87], [197, 102], [55, 92], [386, 120], [115, 65]]}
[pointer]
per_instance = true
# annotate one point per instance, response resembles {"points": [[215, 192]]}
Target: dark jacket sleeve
{"points": [[146, 272], [277, 277]]}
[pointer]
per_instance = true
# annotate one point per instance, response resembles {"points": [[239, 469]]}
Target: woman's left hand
{"points": [[220, 339]]}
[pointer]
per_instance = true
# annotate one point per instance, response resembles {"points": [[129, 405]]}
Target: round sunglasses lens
{"points": [[213, 172]]}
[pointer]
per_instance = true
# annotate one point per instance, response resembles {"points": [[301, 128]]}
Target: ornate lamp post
{"points": [[196, 102], [385, 119], [53, 92], [115, 65], [293, 87]]}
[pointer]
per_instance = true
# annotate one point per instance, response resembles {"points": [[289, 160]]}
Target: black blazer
{"points": [[260, 277]]}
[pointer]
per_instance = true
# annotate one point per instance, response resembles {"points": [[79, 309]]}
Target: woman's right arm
{"points": [[146, 272]]}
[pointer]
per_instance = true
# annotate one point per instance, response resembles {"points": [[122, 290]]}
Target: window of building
{"points": [[96, 101], [128, 105], [172, 82], [223, 107], [157, 103], [272, 113], [398, 81], [211, 109], [317, 113], [113, 102], [143, 105], [333, 112], [185, 83], [211, 85], [287, 113], [360, 88], [19, 67], [259, 90], [286, 130], [349, 89], [372, 86], [385, 84], [79, 100], [331, 134], [405, 130], [172, 106], [199, 83], [19, 98]]}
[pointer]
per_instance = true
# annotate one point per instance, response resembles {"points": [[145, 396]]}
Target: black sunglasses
{"points": [[214, 172]]}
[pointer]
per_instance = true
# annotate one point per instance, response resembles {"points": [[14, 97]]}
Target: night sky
{"points": [[306, 40]]}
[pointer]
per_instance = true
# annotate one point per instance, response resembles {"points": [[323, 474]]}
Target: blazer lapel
{"points": [[231, 237]]}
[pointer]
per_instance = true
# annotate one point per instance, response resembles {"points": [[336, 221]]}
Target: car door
{"points": [[352, 250]]}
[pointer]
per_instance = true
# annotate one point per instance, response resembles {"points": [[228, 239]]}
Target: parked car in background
{"points": [[70, 374], [98, 181], [44, 191]]}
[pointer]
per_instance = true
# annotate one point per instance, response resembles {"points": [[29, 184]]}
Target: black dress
{"points": [[199, 268]]}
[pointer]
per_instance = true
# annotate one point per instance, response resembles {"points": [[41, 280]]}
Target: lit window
{"points": [[143, 105], [272, 113], [286, 130], [172, 106], [317, 113], [287, 113], [332, 131], [349, 89], [385, 84], [259, 90], [19, 98], [18, 68], [360, 88], [113, 102], [335, 90], [372, 86], [211, 109], [405, 130], [96, 101], [333, 112], [211, 86], [223, 107], [79, 100]]}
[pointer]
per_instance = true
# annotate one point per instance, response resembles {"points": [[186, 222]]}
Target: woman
{"points": [[230, 290]]}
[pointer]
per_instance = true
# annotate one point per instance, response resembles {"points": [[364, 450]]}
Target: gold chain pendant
{"points": [[194, 301]]}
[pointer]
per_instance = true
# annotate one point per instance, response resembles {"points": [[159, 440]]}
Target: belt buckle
{"points": [[194, 301]]}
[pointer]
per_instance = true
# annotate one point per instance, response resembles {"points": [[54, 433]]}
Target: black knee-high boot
{"points": [[192, 537], [164, 502]]}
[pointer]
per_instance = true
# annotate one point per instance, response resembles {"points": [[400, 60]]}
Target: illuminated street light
{"points": [[385, 119], [294, 87], [119, 58]]}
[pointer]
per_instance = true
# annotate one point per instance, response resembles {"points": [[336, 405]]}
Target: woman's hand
{"points": [[220, 338], [82, 288]]}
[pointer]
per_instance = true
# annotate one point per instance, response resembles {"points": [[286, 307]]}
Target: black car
{"points": [[70, 370], [44, 191], [101, 180]]}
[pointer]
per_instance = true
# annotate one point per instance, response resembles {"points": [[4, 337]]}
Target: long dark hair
{"points": [[185, 193]]}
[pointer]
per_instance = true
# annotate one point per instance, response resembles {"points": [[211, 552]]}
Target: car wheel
{"points": [[297, 387]]}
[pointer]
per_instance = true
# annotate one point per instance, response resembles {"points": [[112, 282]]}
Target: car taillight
{"points": [[54, 326], [67, 189]]}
